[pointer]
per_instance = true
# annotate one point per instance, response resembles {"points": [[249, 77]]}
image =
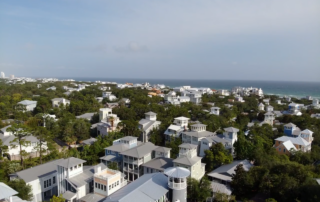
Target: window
{"points": [[79, 165], [45, 184], [71, 168], [49, 182], [75, 167], [284, 150], [96, 185], [147, 170], [117, 182], [112, 185], [104, 187], [54, 180], [109, 187]]}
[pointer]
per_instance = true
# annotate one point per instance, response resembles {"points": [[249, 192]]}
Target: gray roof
{"points": [[146, 124], [177, 172], [225, 172], [160, 163], [221, 188], [269, 113], [36, 172], [27, 102], [91, 197], [140, 150], [69, 162], [6, 191], [149, 187], [85, 177], [129, 138], [187, 161], [85, 116], [150, 113], [6, 140], [68, 195], [118, 147], [199, 134], [218, 139], [89, 141], [4, 129], [231, 129], [295, 140], [188, 146], [290, 125], [162, 149]]}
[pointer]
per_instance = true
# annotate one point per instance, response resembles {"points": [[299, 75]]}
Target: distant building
{"points": [[2, 75], [28, 105], [148, 124], [215, 110], [56, 102], [179, 125], [11, 77]]}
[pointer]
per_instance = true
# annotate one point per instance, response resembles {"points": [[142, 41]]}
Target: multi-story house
{"points": [[13, 148], [188, 159], [285, 144], [63, 176], [261, 106], [195, 96], [148, 124], [197, 132], [132, 159], [113, 153], [179, 125]]}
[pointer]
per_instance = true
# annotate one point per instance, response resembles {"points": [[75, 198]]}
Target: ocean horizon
{"points": [[296, 89]]}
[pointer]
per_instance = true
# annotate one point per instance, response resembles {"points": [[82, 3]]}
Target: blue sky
{"points": [[206, 39]]}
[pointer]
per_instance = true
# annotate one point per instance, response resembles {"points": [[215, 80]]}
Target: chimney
{"points": [[97, 169]]}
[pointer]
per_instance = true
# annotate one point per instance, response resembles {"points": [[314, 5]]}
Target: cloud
{"points": [[131, 47]]}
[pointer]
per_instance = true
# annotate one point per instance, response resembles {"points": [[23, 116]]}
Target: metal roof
{"points": [[162, 149], [27, 102], [188, 146], [6, 191], [85, 116], [91, 197], [295, 140], [89, 141], [221, 188], [187, 161], [69, 162], [149, 187], [68, 195], [231, 129], [199, 134], [150, 113], [182, 118], [140, 150], [177, 172], [34, 173], [159, 163]]}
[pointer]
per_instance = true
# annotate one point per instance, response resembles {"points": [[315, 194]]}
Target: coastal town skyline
{"points": [[144, 39]]}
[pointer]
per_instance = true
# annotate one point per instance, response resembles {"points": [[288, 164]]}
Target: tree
{"points": [[20, 132], [238, 181], [174, 145], [43, 135], [24, 190], [57, 198], [222, 197], [216, 156], [113, 166], [243, 148]]}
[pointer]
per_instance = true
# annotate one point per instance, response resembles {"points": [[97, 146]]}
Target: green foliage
{"points": [[216, 156], [24, 190], [198, 190], [57, 199]]}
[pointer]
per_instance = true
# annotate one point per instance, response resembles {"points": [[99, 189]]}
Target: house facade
{"points": [[148, 124]]}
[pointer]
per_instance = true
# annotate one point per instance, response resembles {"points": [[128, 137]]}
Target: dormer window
{"points": [[71, 168]]}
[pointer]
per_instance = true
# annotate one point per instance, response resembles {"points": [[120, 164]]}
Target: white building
{"points": [[188, 159], [215, 110], [28, 105], [179, 125], [51, 88], [197, 132], [109, 95], [195, 96], [261, 106], [148, 124], [2, 75], [56, 102]]}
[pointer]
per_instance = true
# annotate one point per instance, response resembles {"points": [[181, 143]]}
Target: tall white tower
{"points": [[269, 118], [177, 182], [2, 75]]}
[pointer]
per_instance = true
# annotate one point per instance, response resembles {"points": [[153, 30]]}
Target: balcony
{"points": [[131, 170], [133, 161], [178, 186]]}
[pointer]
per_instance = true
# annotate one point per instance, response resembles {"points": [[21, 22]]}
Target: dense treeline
{"points": [[275, 176]]}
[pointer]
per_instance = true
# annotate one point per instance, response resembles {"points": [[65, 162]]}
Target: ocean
{"points": [[280, 88]]}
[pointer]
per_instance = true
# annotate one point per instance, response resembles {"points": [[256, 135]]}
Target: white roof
{"points": [[27, 102], [295, 140], [177, 172], [221, 188], [182, 118], [6, 191], [288, 145], [307, 131], [174, 127]]}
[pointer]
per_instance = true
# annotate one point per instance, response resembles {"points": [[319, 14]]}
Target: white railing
{"points": [[174, 185]]}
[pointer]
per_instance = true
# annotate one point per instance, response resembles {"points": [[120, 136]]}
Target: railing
{"points": [[132, 161], [131, 170], [174, 185]]}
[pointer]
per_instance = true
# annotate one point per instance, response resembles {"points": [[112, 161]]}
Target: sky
{"points": [[170, 39]]}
